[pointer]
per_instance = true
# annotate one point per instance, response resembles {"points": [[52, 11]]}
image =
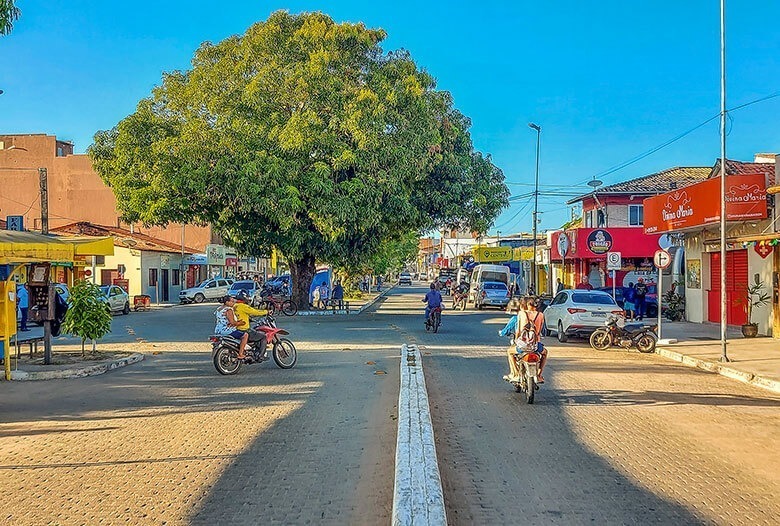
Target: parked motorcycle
{"points": [[434, 320], [527, 360], [224, 351], [643, 337]]}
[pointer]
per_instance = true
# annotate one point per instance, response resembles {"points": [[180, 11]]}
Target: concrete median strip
{"points": [[721, 369], [77, 372], [418, 498]]}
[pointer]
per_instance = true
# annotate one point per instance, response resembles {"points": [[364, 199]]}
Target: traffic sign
{"points": [[662, 259], [614, 261], [14, 223]]}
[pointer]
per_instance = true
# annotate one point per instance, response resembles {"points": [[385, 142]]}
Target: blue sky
{"points": [[606, 80]]}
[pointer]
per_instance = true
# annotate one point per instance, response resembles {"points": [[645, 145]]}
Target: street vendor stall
{"points": [[18, 249]]}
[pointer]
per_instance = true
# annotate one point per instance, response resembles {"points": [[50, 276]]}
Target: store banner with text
{"points": [[699, 204]]}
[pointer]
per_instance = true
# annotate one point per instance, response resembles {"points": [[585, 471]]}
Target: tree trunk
{"points": [[302, 272]]}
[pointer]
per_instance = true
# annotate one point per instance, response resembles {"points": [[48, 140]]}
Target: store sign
{"points": [[698, 204], [231, 262], [523, 254], [492, 254], [563, 244], [599, 241], [215, 255]]}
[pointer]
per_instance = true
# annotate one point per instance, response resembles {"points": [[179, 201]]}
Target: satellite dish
{"points": [[595, 183]]}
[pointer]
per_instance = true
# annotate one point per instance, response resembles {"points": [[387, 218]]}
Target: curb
{"points": [[92, 370], [417, 495], [721, 369], [344, 312]]}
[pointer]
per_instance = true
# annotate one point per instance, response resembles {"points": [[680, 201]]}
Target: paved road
{"points": [[168, 441], [614, 438]]}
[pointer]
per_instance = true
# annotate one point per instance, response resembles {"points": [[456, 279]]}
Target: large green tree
{"points": [[9, 14], [301, 134]]}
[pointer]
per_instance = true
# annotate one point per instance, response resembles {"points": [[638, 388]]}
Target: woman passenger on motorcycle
{"points": [[515, 307], [537, 319], [227, 323]]}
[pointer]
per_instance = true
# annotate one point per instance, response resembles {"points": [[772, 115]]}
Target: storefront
{"points": [[694, 213], [582, 252]]}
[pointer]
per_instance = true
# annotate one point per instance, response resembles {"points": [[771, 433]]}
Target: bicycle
{"points": [[274, 305]]}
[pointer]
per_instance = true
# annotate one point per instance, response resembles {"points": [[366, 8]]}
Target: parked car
{"points": [[491, 294], [651, 299], [248, 285], [210, 289], [116, 299], [405, 279], [579, 312]]}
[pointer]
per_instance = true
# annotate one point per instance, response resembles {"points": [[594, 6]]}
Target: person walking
{"points": [[641, 292], [23, 299]]}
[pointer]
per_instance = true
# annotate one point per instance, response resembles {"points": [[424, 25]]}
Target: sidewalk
{"points": [[753, 360]]}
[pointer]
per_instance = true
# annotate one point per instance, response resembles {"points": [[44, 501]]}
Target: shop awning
{"points": [[28, 247]]}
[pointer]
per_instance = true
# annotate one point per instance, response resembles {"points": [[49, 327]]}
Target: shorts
{"points": [[628, 305], [237, 334]]}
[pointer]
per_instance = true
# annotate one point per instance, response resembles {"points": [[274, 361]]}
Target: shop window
{"points": [[636, 215], [176, 277], [152, 277], [601, 219]]}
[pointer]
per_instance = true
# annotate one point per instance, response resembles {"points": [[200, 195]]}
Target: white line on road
{"points": [[418, 497]]}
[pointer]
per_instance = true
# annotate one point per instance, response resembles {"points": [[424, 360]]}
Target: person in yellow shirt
{"points": [[243, 311]]}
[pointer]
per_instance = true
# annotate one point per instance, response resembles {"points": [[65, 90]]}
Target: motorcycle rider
{"points": [[537, 319], [227, 324], [515, 307], [433, 299], [243, 311]]}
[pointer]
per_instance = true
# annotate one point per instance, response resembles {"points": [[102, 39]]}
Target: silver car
{"points": [[579, 312], [116, 299], [491, 294]]}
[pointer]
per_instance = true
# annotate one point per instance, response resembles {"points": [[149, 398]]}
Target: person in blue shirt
{"points": [[629, 301], [24, 302], [433, 300]]}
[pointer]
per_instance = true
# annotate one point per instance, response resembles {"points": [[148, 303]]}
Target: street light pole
{"points": [[723, 300], [536, 201]]}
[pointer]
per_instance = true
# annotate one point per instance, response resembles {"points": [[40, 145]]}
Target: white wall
{"points": [[131, 259], [696, 299]]}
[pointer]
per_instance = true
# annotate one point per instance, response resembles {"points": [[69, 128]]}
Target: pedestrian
{"points": [[641, 292], [324, 295], [584, 284], [629, 300], [338, 295], [558, 286], [315, 298], [23, 301]]}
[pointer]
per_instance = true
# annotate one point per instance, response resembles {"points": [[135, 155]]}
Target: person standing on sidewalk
{"points": [[629, 299], [338, 295], [641, 292], [23, 299]]}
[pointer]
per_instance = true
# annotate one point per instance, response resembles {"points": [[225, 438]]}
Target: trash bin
{"points": [[142, 302]]}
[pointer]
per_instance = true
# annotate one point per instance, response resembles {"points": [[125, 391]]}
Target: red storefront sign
{"points": [[594, 243], [231, 262], [699, 204]]}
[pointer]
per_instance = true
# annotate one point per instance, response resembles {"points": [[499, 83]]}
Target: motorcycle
{"points": [[637, 335], [459, 300], [224, 352], [434, 320], [527, 361]]}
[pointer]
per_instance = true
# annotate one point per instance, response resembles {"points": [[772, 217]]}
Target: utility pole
{"points": [[723, 299], [44, 184], [536, 201]]}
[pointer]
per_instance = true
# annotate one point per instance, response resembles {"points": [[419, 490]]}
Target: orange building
{"points": [[76, 192]]}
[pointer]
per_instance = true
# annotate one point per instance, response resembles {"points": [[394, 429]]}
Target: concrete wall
{"points": [[131, 259], [155, 260], [76, 192]]}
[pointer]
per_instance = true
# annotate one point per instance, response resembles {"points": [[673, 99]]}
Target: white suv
{"points": [[211, 289]]}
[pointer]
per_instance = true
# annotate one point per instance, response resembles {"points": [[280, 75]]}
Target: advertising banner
{"points": [[699, 204], [215, 255], [492, 254]]}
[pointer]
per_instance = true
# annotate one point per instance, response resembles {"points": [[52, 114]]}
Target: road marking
{"points": [[418, 497]]}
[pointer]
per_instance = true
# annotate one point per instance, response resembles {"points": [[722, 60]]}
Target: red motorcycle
{"points": [[434, 320], [225, 349]]}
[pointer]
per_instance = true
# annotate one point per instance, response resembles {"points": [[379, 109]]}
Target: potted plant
{"points": [[757, 296]]}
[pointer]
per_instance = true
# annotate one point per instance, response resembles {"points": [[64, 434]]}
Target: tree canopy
{"points": [[9, 14], [305, 135]]}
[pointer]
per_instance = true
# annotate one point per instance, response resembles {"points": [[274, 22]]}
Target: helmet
{"points": [[242, 295]]}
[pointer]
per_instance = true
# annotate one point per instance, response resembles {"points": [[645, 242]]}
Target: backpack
{"points": [[528, 335]]}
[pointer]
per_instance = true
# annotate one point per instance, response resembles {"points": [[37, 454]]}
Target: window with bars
{"points": [[152, 277]]}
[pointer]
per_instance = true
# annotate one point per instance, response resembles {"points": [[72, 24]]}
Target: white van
{"points": [[483, 273]]}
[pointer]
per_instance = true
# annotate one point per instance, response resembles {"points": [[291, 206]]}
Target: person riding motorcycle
{"points": [[433, 299], [243, 311]]}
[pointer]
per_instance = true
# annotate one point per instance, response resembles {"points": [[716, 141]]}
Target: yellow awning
{"points": [[28, 247]]}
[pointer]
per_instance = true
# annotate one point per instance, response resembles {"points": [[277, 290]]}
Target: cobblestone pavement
{"points": [[613, 438], [169, 441]]}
